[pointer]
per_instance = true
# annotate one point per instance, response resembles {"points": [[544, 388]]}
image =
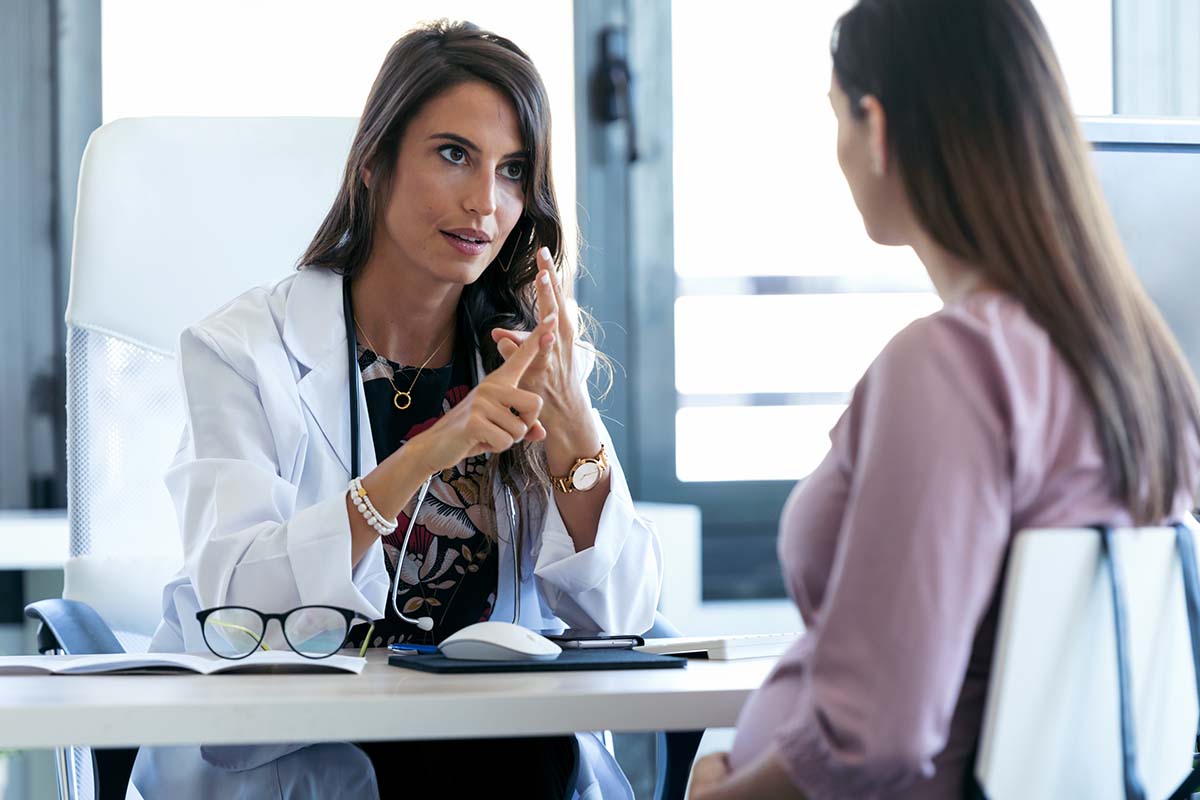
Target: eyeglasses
{"points": [[312, 631]]}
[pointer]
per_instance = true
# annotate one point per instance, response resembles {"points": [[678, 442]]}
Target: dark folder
{"points": [[568, 660]]}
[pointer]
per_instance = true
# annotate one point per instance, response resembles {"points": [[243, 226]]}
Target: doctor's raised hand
{"points": [[553, 373], [493, 417], [555, 376]]}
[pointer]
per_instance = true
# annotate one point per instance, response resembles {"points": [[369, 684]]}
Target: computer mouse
{"points": [[498, 641]]}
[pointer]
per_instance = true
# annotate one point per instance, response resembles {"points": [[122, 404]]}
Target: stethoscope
{"points": [[424, 623]]}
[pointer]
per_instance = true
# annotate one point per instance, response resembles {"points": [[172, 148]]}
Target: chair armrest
{"points": [[71, 626]]}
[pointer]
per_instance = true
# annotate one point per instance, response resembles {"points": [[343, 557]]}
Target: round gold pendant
{"points": [[407, 401]]}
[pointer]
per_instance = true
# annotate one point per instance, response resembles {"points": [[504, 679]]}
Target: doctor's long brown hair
{"points": [[997, 171], [421, 65]]}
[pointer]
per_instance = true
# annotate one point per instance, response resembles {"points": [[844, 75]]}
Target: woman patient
{"points": [[1046, 393]]}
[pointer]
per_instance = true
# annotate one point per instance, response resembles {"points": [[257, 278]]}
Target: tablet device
{"points": [[568, 660]]}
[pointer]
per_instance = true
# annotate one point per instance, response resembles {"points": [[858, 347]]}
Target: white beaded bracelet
{"points": [[358, 496]]}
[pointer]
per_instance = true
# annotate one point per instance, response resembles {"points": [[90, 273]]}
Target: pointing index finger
{"points": [[512, 370]]}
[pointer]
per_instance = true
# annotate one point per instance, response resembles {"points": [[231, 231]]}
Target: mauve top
{"points": [[968, 427]]}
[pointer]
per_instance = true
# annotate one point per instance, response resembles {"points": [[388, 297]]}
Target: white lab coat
{"points": [[259, 488]]}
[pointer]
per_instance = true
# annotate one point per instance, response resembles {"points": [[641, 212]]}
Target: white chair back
{"points": [[1052, 727], [176, 216]]}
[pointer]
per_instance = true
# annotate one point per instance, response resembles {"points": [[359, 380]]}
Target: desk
{"points": [[382, 703]]}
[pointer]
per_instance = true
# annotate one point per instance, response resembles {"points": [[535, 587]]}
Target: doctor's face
{"points": [[457, 189]]}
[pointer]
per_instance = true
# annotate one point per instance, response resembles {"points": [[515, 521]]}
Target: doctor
{"points": [[439, 267]]}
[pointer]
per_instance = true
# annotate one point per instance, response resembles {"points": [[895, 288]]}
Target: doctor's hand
{"points": [[552, 375], [494, 416]]}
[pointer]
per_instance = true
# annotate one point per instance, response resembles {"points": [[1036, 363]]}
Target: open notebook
{"points": [[107, 663]]}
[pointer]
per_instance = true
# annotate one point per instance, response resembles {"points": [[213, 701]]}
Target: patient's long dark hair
{"points": [[421, 65], [998, 172]]}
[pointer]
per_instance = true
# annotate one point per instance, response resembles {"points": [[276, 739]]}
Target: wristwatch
{"points": [[585, 475]]}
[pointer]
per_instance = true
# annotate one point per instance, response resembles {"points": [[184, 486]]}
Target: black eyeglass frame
{"points": [[203, 615]]}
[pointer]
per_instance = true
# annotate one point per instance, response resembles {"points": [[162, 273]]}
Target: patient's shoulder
{"points": [[983, 357], [987, 333]]}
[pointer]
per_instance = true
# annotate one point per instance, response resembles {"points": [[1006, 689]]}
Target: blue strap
{"points": [[1133, 781], [1191, 596]]}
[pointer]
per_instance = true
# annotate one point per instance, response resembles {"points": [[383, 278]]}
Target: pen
{"points": [[404, 647]]}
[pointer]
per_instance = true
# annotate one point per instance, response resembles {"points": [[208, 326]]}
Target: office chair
{"points": [[1053, 722], [175, 217]]}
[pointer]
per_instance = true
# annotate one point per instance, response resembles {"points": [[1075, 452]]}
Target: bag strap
{"points": [[1191, 596], [1133, 782]]}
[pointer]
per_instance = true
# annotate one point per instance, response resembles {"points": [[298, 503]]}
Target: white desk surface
{"points": [[33, 539], [382, 703]]}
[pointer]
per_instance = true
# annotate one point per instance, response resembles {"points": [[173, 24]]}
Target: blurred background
{"points": [[694, 157]]}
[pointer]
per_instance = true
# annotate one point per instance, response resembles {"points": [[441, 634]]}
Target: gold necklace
{"points": [[408, 394]]}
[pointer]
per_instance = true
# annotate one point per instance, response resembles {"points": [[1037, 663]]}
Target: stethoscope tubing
{"points": [[424, 623]]}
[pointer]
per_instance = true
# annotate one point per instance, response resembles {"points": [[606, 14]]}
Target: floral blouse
{"points": [[450, 568]]}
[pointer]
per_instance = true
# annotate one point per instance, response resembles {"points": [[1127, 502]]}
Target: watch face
{"points": [[586, 476]]}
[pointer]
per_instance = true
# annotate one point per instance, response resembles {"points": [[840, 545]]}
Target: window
{"points": [[1157, 60]]}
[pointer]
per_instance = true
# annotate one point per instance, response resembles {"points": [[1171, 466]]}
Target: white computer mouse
{"points": [[498, 641]]}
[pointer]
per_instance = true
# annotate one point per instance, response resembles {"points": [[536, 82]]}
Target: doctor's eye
{"points": [[513, 170], [453, 153]]}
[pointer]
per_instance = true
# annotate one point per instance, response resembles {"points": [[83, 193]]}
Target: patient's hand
{"points": [[766, 778], [708, 773]]}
